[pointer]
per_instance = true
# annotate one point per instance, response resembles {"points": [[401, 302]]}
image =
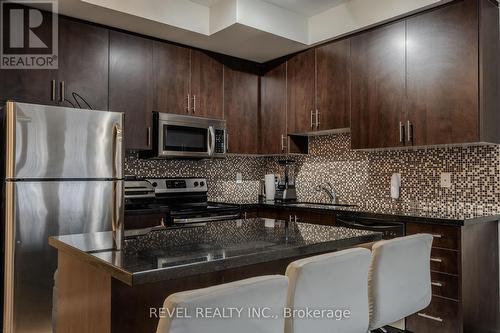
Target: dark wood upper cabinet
{"points": [[273, 130], [171, 78], [38, 86], [442, 75], [206, 85], [378, 86], [83, 64], [333, 85], [300, 92], [131, 86], [241, 109]]}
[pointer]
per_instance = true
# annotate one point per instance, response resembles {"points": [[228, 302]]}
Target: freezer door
{"points": [[47, 142], [36, 211]]}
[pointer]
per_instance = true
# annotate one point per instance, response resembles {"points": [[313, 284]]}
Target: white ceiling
{"points": [[307, 7], [303, 7], [257, 30]]}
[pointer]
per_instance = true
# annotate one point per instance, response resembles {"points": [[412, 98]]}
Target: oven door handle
{"points": [[205, 219], [360, 225], [211, 141]]}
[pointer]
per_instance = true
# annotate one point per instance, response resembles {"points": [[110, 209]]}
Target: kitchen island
{"points": [[121, 291]]}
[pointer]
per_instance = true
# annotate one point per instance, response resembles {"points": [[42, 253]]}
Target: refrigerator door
{"points": [[47, 142], [35, 211]]}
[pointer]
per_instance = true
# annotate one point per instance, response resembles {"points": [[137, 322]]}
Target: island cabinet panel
{"points": [[442, 75], [206, 85], [171, 65], [273, 129], [464, 276], [241, 109], [131, 86], [378, 87], [301, 92], [333, 85], [83, 64]]}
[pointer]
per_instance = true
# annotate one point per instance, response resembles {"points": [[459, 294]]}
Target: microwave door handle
{"points": [[211, 141]]}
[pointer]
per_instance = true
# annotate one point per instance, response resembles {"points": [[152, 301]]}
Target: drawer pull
{"points": [[437, 236], [436, 260], [437, 284], [423, 315]]}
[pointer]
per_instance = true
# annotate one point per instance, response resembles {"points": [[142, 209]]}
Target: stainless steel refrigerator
{"points": [[63, 175]]}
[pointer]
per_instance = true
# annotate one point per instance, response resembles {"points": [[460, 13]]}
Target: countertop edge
{"points": [[115, 272]]}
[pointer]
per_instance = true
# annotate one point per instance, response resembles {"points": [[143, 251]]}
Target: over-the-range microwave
{"points": [[184, 136]]}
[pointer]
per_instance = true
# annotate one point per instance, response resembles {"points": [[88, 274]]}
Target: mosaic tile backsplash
{"points": [[359, 177]]}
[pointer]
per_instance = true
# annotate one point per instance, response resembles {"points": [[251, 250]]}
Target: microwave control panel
{"points": [[220, 141]]}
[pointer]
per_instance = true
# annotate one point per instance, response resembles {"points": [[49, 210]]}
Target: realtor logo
{"points": [[28, 34]]}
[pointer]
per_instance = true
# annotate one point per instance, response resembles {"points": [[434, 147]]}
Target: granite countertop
{"points": [[452, 216], [181, 252]]}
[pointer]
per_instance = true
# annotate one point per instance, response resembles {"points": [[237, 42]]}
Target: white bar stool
{"points": [[260, 299], [333, 281], [400, 279]]}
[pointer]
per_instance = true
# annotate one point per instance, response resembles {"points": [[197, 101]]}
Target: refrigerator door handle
{"points": [[117, 151], [8, 301]]}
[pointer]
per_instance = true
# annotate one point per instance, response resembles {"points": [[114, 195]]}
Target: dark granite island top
{"points": [[217, 246]]}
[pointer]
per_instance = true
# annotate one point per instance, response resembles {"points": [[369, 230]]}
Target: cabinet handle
{"points": [[437, 236], [149, 137], [62, 92], [410, 131], [401, 132], [423, 315], [188, 103], [437, 284], [53, 90], [194, 103], [283, 142], [436, 259], [312, 119], [245, 215], [317, 119]]}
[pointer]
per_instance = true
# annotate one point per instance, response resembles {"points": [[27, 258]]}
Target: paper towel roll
{"points": [[270, 187]]}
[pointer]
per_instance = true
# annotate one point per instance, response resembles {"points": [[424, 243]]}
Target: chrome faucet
{"points": [[328, 188]]}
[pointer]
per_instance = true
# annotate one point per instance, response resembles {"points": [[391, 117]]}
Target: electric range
{"points": [[162, 202]]}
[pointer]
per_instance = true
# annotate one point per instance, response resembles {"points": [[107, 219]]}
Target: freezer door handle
{"points": [[118, 218]]}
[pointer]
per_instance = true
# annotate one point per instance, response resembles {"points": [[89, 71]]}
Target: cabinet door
{"points": [[378, 87], [443, 75], [241, 107], [273, 111], [171, 78], [131, 86], [30, 85], [206, 85], [300, 92], [333, 86], [83, 64]]}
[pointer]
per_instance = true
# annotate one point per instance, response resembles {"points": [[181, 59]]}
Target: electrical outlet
{"points": [[239, 178], [446, 179]]}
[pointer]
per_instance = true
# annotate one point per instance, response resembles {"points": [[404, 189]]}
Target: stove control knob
{"points": [[195, 184], [154, 184], [202, 184]]}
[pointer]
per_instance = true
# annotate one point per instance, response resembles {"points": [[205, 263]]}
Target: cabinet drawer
{"points": [[444, 285], [314, 218], [444, 236], [445, 261], [441, 316], [250, 213]]}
